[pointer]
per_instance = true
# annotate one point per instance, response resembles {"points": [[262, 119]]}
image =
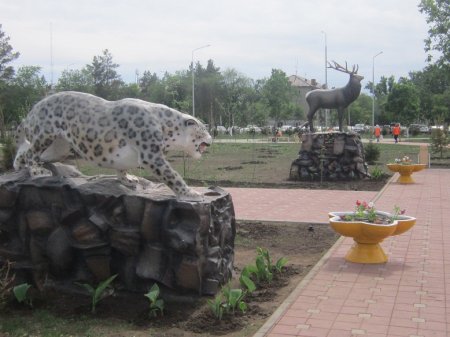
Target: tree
{"points": [[6, 74], [151, 87], [238, 93], [208, 92], [382, 90], [176, 90], [403, 102], [278, 93], [438, 17], [6, 56], [360, 111], [433, 85], [439, 141], [106, 79], [24, 90], [76, 80]]}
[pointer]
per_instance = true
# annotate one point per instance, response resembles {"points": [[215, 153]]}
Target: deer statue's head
{"points": [[353, 73]]}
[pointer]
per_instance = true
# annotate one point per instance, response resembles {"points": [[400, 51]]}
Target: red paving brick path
{"points": [[409, 296]]}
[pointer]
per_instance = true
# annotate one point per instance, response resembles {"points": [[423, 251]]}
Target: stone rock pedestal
{"points": [[72, 228], [329, 156]]}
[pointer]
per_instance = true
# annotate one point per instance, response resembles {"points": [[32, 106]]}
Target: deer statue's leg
{"points": [[310, 119], [341, 118]]}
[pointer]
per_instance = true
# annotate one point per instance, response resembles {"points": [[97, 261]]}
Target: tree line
{"points": [[228, 97]]}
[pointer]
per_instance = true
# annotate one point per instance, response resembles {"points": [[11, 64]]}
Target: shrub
{"points": [[371, 152]]}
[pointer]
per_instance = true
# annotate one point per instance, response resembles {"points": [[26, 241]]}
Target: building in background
{"points": [[303, 86]]}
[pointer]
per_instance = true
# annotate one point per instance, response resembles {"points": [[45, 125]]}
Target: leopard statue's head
{"points": [[194, 137]]}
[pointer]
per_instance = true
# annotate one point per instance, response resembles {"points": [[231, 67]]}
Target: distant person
{"points": [[396, 132], [377, 133], [278, 134]]}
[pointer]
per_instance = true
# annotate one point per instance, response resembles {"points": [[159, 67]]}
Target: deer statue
{"points": [[339, 98]]}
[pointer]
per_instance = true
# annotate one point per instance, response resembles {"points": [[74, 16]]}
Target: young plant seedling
{"points": [[21, 294], [156, 304], [96, 293], [216, 306], [246, 281], [234, 299]]}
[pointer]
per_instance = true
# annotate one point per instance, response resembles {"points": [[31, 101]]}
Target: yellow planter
{"points": [[405, 171], [367, 236]]}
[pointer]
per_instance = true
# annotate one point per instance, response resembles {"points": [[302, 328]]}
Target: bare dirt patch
{"points": [[189, 315]]}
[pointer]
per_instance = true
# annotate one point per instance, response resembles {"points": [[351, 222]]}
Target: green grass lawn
{"points": [[251, 162]]}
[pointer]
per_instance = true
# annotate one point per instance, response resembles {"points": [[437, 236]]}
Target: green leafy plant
{"points": [[234, 299], [262, 270], [264, 253], [156, 303], [21, 294], [377, 173], [279, 265], [216, 306], [228, 301], [263, 273], [6, 281], [246, 281], [97, 293], [396, 212]]}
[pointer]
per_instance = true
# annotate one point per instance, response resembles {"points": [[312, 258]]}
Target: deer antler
{"points": [[338, 67]]}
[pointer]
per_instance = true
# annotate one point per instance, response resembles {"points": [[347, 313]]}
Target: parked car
{"points": [[251, 128], [221, 129], [359, 128], [286, 128], [419, 128]]}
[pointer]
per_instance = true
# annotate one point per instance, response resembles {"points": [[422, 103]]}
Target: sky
{"points": [[250, 36]]}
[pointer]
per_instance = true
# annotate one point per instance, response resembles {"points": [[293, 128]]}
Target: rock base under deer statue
{"points": [[329, 156], [60, 230]]}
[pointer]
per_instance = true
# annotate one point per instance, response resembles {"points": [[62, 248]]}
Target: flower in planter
{"points": [[366, 212], [403, 161]]}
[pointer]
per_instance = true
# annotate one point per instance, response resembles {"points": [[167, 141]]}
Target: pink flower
{"points": [[358, 202], [403, 211]]}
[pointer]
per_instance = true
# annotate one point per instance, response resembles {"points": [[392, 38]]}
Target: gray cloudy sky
{"points": [[252, 36]]}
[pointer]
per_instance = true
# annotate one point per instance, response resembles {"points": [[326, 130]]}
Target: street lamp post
{"points": [[373, 91], [326, 74], [193, 86]]}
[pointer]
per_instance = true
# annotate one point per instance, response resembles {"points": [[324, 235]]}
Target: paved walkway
{"points": [[409, 296]]}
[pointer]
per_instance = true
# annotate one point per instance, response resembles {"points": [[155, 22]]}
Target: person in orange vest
{"points": [[396, 132], [377, 133]]}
